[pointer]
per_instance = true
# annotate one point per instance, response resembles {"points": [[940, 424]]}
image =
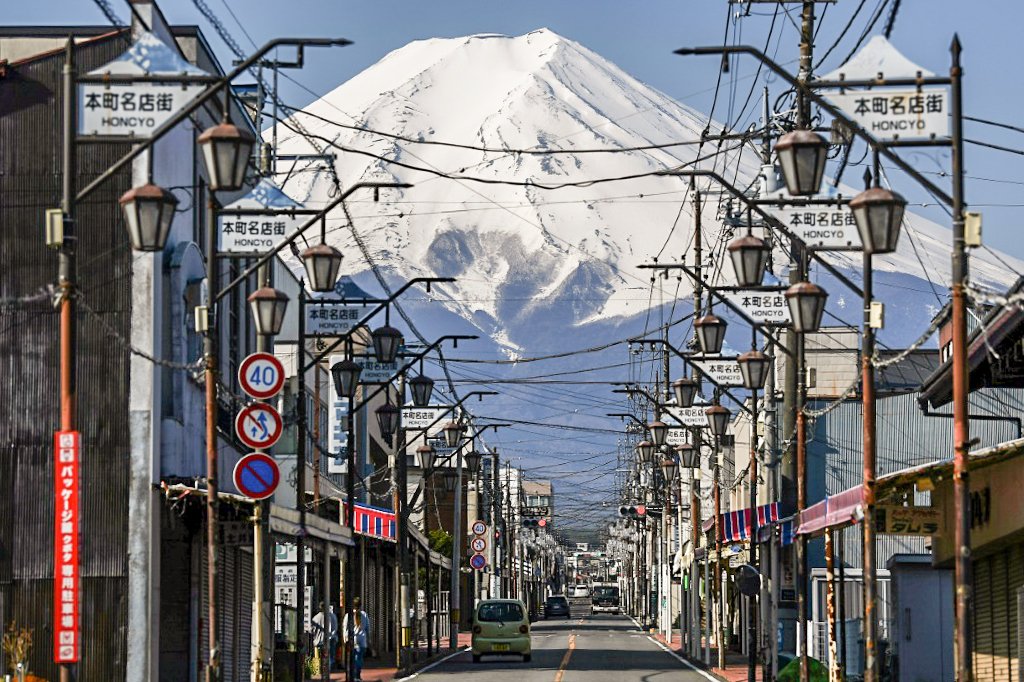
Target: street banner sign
{"points": [[826, 228], [332, 319], [722, 371], [478, 562], [478, 544], [419, 418], [67, 580], [258, 426], [256, 475], [890, 113], [376, 372], [337, 429], [136, 109], [763, 307], [261, 375], [687, 416], [240, 232], [898, 520], [479, 528]]}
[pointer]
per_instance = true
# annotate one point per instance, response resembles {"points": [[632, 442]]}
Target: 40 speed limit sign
{"points": [[261, 375]]}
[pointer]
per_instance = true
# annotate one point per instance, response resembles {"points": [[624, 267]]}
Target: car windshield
{"points": [[557, 601], [499, 612], [606, 592]]}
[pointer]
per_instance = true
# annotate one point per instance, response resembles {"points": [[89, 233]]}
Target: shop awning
{"points": [[735, 525], [837, 510]]}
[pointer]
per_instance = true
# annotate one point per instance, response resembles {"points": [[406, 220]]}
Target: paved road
{"points": [[598, 648]]}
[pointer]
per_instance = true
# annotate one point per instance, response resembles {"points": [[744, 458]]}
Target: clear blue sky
{"points": [[640, 37]]}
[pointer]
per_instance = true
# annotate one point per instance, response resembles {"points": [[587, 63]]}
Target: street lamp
{"points": [[879, 216], [427, 455], [226, 150], [749, 259], [387, 419], [346, 378], [473, 459], [685, 390], [659, 432], [806, 305], [689, 456], [451, 480], [422, 387], [718, 419], [670, 468], [802, 155], [754, 366], [268, 306], [322, 263], [710, 333], [452, 433], [386, 341], [645, 450], [148, 210]]}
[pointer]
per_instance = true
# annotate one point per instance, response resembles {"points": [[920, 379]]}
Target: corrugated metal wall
{"points": [[30, 180], [905, 437]]}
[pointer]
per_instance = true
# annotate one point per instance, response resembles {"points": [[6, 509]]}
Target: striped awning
{"points": [[735, 525]]}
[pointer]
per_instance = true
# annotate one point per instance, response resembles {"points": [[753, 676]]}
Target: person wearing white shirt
{"points": [[360, 635]]}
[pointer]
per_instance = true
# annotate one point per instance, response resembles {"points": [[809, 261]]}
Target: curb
{"points": [[431, 663]]}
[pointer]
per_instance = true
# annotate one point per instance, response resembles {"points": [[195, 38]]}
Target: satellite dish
{"points": [[748, 580]]}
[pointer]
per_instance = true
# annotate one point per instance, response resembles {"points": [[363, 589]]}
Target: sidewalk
{"points": [[735, 663], [379, 670]]}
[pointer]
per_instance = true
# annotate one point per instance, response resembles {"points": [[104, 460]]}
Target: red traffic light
{"points": [[542, 523], [641, 510]]}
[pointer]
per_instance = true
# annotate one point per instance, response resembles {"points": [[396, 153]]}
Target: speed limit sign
{"points": [[261, 375], [479, 528]]}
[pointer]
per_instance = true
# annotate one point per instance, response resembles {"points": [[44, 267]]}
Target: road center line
{"points": [[565, 659]]}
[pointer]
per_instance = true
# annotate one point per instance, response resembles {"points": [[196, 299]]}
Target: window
{"points": [[499, 612]]}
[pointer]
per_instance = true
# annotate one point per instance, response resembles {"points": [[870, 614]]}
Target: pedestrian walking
{"points": [[360, 635], [325, 629]]}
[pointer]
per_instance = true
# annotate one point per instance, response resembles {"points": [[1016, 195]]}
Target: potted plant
{"points": [[17, 643]]}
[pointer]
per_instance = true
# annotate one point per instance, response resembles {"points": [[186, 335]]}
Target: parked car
{"points": [[501, 626], [556, 606], [581, 591]]}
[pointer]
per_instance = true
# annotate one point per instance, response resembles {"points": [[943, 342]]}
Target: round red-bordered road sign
{"points": [[257, 475], [478, 561], [261, 375], [258, 425], [478, 544]]}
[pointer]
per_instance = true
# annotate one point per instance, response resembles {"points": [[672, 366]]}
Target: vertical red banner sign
{"points": [[66, 580]]}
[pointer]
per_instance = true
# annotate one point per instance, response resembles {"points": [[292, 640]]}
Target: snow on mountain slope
{"points": [[524, 254]]}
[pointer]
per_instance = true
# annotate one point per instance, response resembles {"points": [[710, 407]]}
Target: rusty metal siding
{"points": [[30, 180]]}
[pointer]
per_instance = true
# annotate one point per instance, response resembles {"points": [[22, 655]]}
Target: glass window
{"points": [[499, 612]]}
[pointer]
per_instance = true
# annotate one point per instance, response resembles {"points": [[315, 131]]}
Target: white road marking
{"points": [[432, 665], [676, 656]]}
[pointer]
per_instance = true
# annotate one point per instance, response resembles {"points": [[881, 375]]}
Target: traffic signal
{"points": [[535, 523], [633, 512]]}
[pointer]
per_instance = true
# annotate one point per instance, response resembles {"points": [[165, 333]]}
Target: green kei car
{"points": [[501, 627]]}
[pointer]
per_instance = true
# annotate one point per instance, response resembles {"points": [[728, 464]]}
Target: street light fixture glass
{"points": [[754, 366], [451, 480], [689, 456], [148, 210], [670, 468], [422, 388], [387, 419], [802, 155], [427, 455], [226, 150], [473, 459], [710, 333], [749, 259], [645, 450], [718, 419], [806, 306], [685, 390], [322, 263], [452, 433], [386, 342], [346, 378], [659, 432], [268, 306], [879, 216]]}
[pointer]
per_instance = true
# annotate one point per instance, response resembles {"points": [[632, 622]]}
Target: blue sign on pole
{"points": [[257, 475]]}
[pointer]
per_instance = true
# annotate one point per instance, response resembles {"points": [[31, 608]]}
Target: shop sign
{"points": [[898, 520], [66, 572]]}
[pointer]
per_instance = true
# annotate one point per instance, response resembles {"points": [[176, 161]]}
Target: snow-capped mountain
{"points": [[521, 251]]}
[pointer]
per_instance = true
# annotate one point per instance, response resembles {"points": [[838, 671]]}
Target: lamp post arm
{"points": [[775, 222], [265, 258], [808, 91], [449, 408], [381, 305], [469, 439], [199, 101]]}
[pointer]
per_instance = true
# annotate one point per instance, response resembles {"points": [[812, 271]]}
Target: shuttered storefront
{"points": [[234, 611], [997, 579]]}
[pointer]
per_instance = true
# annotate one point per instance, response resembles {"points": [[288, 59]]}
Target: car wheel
{"points": [[476, 658], [527, 658]]}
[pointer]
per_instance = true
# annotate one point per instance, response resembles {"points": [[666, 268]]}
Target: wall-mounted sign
{"points": [[764, 307], [899, 520], [337, 429]]}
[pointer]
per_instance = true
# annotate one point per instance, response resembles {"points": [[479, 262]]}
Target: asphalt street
{"points": [[588, 648]]}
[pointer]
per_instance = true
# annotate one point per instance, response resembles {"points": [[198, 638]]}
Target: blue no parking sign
{"points": [[257, 475]]}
